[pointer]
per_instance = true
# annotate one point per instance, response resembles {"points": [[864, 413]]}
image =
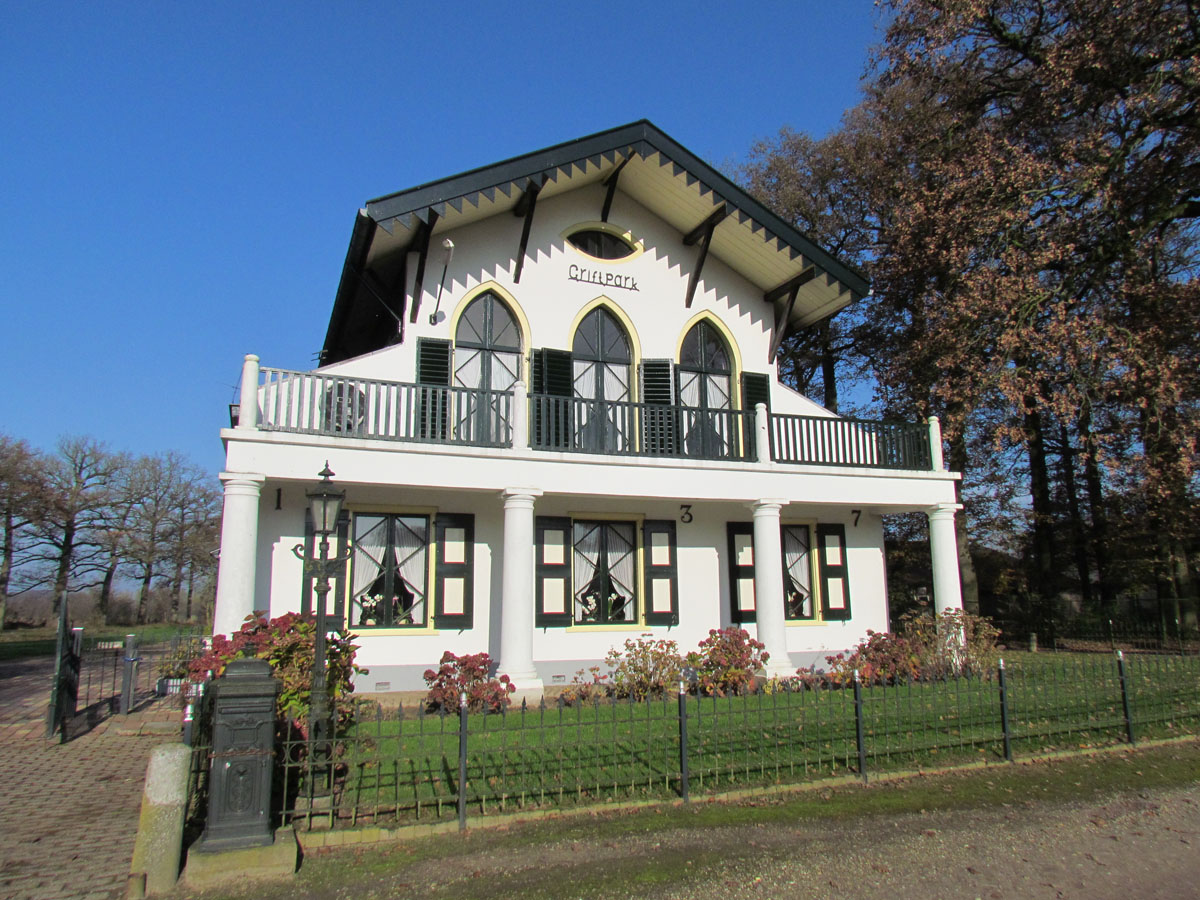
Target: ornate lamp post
{"points": [[325, 503]]}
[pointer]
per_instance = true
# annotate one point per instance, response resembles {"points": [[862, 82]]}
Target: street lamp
{"points": [[325, 504]]}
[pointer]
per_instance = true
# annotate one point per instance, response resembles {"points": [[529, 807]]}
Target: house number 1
{"points": [[685, 515]]}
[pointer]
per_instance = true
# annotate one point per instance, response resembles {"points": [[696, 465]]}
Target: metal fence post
{"points": [[128, 681], [1125, 696], [683, 742], [462, 761], [1004, 725], [858, 727]]}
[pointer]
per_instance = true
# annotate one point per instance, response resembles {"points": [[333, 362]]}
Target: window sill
{"points": [[599, 626], [371, 631]]}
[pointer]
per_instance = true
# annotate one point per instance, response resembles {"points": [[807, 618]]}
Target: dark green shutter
{"points": [[335, 616], [756, 389], [738, 572], [551, 375], [835, 572], [659, 429], [663, 575], [551, 576], [460, 571], [433, 368]]}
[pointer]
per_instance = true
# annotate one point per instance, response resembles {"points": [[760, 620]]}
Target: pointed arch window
{"points": [[601, 367], [487, 358], [704, 379]]}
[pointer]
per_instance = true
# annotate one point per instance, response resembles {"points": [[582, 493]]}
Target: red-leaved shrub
{"points": [[469, 673], [727, 661]]}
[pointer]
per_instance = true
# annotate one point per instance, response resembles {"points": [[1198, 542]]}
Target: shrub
{"points": [[288, 644], [647, 667], [954, 643], [470, 673], [587, 686], [727, 661]]}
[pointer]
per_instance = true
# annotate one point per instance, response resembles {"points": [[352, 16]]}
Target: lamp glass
{"points": [[326, 506]]}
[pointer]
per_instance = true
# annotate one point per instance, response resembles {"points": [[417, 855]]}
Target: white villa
{"points": [[548, 388]]}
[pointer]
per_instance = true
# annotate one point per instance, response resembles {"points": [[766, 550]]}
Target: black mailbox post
{"points": [[239, 787]]}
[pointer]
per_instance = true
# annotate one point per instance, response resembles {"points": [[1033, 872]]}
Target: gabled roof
{"points": [[805, 283]]}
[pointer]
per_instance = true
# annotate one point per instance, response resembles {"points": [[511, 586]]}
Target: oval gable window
{"points": [[601, 244]]}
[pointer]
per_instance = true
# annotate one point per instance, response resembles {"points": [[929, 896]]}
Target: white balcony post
{"points": [[517, 592], [239, 548], [943, 549], [762, 433], [248, 411], [935, 443], [520, 417], [768, 586]]}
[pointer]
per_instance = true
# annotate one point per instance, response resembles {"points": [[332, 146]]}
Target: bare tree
{"points": [[20, 495]]}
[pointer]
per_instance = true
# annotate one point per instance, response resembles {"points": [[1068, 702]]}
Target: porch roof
{"points": [[802, 281]]}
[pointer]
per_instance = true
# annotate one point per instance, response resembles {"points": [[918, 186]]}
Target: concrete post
{"points": [[520, 417], [762, 433], [239, 548], [248, 412], [517, 591], [768, 586], [943, 548], [159, 843], [935, 444]]}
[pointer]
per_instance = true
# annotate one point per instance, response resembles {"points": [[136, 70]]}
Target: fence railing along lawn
{"points": [[401, 768]]}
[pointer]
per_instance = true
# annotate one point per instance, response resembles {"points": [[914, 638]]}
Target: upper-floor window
{"points": [[601, 363], [704, 380], [601, 244], [487, 345]]}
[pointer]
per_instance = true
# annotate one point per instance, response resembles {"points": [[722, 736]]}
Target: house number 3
{"points": [[685, 514]]}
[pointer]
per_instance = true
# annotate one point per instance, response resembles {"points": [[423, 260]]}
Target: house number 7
{"points": [[856, 513], [686, 515]]}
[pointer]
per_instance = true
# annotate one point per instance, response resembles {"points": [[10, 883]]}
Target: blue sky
{"points": [[178, 181]]}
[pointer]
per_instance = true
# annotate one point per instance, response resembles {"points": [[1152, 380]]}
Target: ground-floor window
{"points": [[394, 556], [801, 569], [588, 572]]}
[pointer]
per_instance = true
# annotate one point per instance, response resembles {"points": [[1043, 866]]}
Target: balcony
{"points": [[342, 407]]}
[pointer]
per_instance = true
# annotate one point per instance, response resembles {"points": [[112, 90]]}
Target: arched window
{"points": [[705, 378], [487, 357], [601, 367]]}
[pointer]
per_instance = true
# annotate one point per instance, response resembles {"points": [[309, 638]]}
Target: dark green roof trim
{"points": [[356, 261]]}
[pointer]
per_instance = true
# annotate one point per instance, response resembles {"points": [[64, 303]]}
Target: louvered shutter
{"points": [[454, 583], [659, 432], [835, 572], [433, 368], [741, 571], [552, 379], [553, 572], [660, 564]]}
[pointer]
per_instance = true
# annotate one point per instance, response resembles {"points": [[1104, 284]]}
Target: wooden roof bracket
{"points": [[789, 289], [611, 183], [525, 207], [701, 234], [423, 237]]}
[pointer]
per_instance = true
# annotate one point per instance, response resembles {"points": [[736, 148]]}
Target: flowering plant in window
{"points": [[469, 673], [726, 661]]}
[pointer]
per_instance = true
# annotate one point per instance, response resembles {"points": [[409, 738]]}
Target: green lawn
{"points": [[403, 769]]}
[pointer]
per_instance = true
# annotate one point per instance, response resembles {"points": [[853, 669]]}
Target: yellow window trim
{"points": [[375, 509], [636, 244], [516, 309]]}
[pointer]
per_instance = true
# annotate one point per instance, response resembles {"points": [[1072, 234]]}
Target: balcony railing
{"points": [[311, 403], [826, 441], [315, 403], [624, 428]]}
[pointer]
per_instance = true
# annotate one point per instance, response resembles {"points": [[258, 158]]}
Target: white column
{"points": [[943, 548], [768, 586], [520, 417], [935, 443], [239, 549], [762, 434], [248, 410], [517, 593]]}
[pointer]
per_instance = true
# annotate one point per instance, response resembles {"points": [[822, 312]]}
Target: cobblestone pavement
{"points": [[69, 812]]}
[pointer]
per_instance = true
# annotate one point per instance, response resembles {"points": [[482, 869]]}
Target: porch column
{"points": [[943, 549], [516, 592], [239, 549], [768, 586]]}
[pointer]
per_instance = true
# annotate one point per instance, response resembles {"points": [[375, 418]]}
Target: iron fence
{"points": [[395, 768]]}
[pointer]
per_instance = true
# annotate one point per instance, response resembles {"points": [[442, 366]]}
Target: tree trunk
{"points": [[191, 583], [1043, 519], [63, 573], [828, 368], [966, 563], [1099, 531], [144, 595], [106, 586], [1078, 540], [6, 562]]}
